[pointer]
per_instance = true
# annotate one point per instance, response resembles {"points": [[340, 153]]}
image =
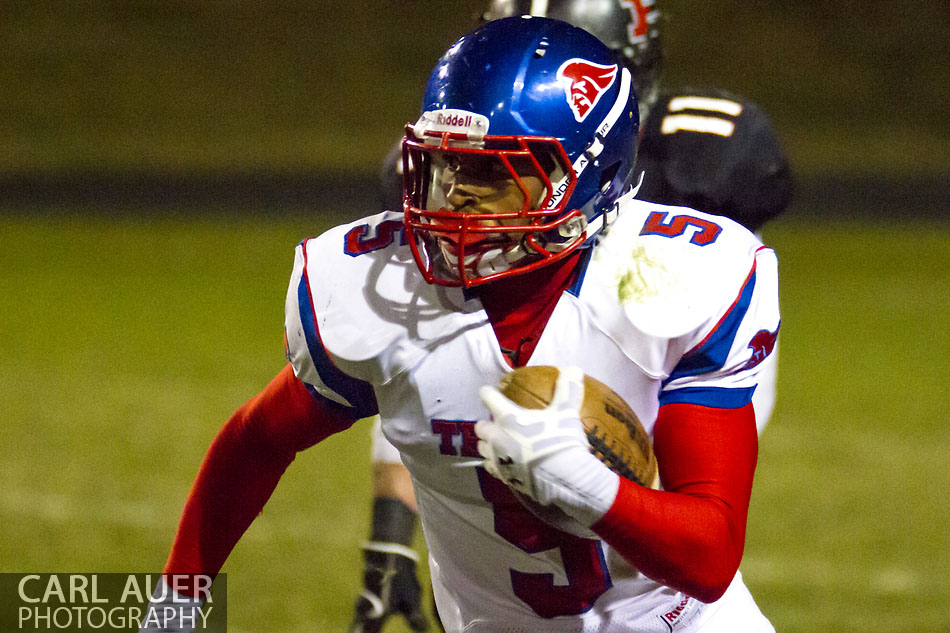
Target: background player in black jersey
{"points": [[704, 148]]}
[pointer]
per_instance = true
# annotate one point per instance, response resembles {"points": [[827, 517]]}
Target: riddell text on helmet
{"points": [[454, 120]]}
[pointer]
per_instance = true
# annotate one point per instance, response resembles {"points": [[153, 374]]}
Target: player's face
{"points": [[479, 210], [483, 184], [480, 184]]}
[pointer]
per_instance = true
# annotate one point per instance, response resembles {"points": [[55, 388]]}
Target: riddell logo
{"points": [[670, 617], [682, 613], [584, 84], [454, 120]]}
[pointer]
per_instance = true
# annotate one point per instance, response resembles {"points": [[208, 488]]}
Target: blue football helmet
{"points": [[527, 137]]}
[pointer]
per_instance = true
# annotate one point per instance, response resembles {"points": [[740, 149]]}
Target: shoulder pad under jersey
{"points": [[672, 270], [357, 303]]}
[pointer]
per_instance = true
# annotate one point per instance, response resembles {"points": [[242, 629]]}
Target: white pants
{"points": [[735, 612]]}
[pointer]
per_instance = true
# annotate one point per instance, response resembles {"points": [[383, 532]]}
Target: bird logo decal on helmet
{"points": [[584, 83]]}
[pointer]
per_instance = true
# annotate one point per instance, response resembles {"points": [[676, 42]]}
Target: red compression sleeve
{"points": [[690, 536], [242, 467]]}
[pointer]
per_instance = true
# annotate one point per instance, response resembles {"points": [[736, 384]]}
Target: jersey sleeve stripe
{"points": [[358, 393], [711, 353], [715, 397]]}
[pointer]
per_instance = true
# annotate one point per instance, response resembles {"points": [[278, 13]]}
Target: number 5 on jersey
{"points": [[705, 232]]}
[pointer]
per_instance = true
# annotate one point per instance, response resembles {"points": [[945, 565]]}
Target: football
{"points": [[614, 432]]}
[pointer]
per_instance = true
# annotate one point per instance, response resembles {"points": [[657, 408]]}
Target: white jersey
{"points": [[673, 306]]}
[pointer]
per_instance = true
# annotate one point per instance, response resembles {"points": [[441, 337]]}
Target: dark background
{"points": [[183, 100]]}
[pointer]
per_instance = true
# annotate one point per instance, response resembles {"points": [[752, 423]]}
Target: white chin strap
{"points": [[494, 260], [497, 260]]}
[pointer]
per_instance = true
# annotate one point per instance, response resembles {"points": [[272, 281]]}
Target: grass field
{"points": [[126, 340]]}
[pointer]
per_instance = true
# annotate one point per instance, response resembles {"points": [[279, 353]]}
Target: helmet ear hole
{"points": [[607, 177]]}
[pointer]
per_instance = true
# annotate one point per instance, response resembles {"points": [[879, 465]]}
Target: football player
{"points": [[521, 241], [703, 148]]}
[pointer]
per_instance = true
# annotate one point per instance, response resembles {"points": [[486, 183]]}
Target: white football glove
{"points": [[170, 612], [544, 453]]}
